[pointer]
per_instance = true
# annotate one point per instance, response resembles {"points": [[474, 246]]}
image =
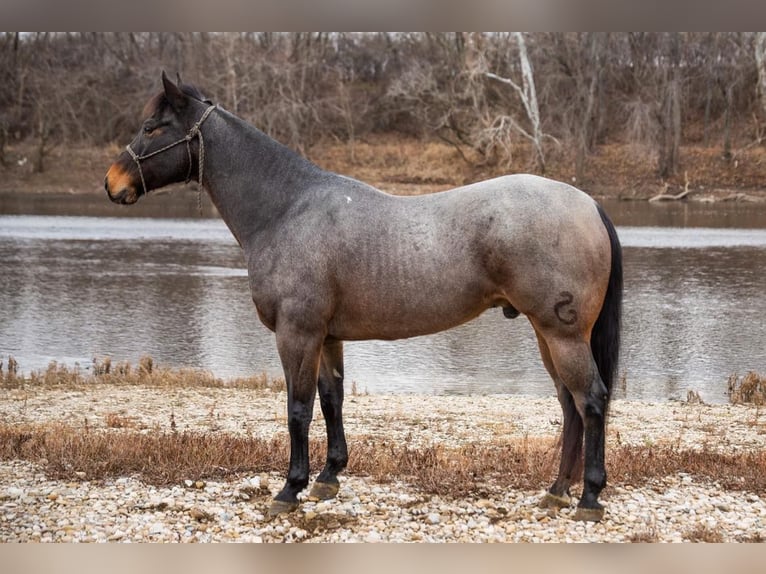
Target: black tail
{"points": [[605, 338]]}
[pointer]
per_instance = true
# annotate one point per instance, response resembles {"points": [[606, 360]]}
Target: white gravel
{"points": [[676, 508]]}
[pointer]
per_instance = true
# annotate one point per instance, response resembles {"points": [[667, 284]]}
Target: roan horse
{"points": [[331, 259]]}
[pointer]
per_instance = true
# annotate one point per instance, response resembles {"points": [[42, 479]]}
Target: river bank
{"points": [[410, 166], [691, 505]]}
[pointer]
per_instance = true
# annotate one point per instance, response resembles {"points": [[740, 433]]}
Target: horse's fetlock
{"points": [[340, 462], [595, 479]]}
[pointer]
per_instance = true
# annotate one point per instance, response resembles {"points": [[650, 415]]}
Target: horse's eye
{"points": [[148, 129]]}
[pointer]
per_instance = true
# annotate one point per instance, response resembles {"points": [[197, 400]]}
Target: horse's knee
{"points": [[299, 418]]}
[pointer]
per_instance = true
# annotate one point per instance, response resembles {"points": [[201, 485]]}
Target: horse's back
{"points": [[430, 262], [528, 195]]}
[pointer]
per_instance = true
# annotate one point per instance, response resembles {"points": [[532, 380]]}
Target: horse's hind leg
{"points": [[570, 465], [331, 400], [576, 368], [571, 451]]}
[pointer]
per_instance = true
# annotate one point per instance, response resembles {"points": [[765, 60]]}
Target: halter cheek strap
{"points": [[192, 133]]}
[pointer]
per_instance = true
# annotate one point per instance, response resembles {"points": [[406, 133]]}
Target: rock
{"points": [[199, 515]]}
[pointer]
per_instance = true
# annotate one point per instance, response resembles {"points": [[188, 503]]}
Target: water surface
{"points": [[74, 288]]}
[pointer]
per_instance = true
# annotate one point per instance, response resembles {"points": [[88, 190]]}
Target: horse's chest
{"points": [[268, 316]]}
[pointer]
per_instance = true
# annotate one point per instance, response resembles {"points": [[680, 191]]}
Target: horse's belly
{"points": [[401, 321]]}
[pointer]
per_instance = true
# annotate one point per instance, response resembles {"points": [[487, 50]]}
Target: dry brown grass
{"points": [[146, 373], [704, 533], [644, 536], [749, 389], [161, 457], [158, 457]]}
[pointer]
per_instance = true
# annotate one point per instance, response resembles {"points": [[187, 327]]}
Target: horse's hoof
{"points": [[551, 500], [281, 507], [589, 514], [324, 490]]}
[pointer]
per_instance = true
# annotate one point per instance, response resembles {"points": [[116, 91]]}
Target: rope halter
{"points": [[192, 133]]}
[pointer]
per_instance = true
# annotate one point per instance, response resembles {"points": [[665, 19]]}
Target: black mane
{"points": [[193, 92]]}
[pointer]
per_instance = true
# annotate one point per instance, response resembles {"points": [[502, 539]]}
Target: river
{"points": [[75, 287]]}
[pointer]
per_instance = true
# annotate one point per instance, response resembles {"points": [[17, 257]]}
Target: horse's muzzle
{"points": [[119, 187]]}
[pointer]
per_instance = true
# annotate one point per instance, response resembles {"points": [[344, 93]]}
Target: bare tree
{"points": [[578, 64], [760, 62], [484, 93], [670, 112], [528, 96]]}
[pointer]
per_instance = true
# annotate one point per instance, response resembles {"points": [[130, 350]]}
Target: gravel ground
{"points": [[676, 508]]}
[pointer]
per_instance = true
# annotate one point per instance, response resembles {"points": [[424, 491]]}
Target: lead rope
{"points": [[195, 131]]}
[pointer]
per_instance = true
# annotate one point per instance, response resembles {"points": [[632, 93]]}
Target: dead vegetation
{"points": [[163, 455], [159, 457], [749, 389], [146, 373]]}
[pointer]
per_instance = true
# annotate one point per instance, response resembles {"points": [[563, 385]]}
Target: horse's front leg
{"points": [[331, 399], [299, 350]]}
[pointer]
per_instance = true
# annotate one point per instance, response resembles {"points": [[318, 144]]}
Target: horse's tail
{"points": [[605, 337]]}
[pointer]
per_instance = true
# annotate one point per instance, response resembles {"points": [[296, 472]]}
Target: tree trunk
{"points": [[529, 99], [42, 144], [670, 119], [586, 129], [760, 62], [728, 93], [3, 139]]}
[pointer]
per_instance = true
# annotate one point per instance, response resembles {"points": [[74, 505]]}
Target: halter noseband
{"points": [[193, 132]]}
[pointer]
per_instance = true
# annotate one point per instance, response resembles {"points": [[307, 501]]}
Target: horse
{"points": [[331, 259]]}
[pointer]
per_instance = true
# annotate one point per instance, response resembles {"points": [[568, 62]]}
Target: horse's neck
{"points": [[252, 179]]}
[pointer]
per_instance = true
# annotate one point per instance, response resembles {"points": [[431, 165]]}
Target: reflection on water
{"points": [[74, 288]]}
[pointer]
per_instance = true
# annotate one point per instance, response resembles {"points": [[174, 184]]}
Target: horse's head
{"points": [[166, 149]]}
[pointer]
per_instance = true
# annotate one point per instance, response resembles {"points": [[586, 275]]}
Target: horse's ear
{"points": [[175, 97]]}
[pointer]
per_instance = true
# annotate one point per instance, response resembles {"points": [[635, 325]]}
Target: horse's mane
{"points": [[159, 100], [193, 92]]}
